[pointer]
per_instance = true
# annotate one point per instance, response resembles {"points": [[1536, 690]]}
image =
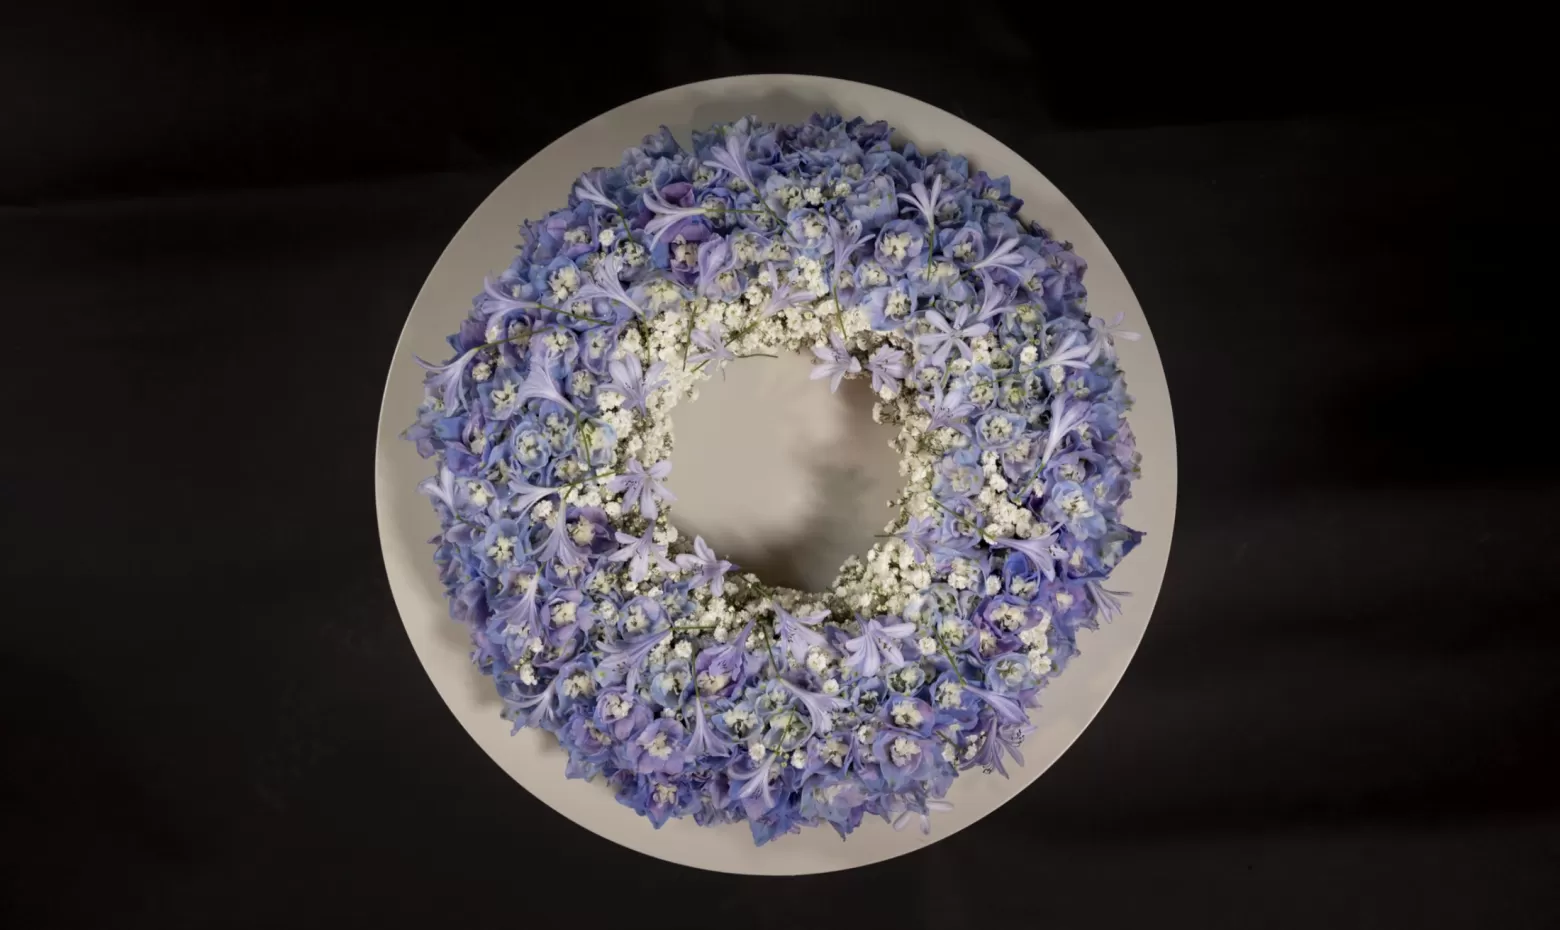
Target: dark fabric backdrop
{"points": [[211, 231]]}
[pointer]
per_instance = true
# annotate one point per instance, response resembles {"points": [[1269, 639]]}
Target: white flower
{"points": [[502, 550], [606, 236], [528, 674], [683, 649], [757, 751], [906, 714], [831, 687], [659, 747], [616, 707], [928, 645], [740, 719], [564, 281], [798, 759]]}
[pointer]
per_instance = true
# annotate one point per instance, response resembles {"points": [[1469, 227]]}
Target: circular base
{"points": [[485, 244]]}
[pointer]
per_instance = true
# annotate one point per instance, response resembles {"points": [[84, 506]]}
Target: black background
{"points": [[211, 231]]}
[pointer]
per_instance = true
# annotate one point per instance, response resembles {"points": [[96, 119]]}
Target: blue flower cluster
{"points": [[692, 688]]}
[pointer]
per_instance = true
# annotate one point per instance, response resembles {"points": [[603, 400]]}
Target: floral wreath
{"points": [[692, 688]]}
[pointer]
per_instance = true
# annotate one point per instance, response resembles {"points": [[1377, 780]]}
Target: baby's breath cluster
{"points": [[695, 689]]}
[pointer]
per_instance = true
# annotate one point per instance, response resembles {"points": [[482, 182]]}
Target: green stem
{"points": [[839, 312], [688, 343], [949, 656]]}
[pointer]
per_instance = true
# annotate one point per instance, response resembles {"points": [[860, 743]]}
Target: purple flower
{"points": [[660, 747], [899, 246], [559, 546], [1004, 255], [705, 741], [1037, 550], [945, 336], [640, 552], [732, 158], [887, 365], [708, 568], [628, 655], [925, 203], [947, 410], [796, 633], [920, 534], [782, 296], [1005, 707], [590, 191], [1073, 352], [908, 816], [519, 616], [539, 385], [604, 285], [441, 488], [1065, 417], [1104, 333], [836, 362], [1108, 602], [645, 485], [619, 714], [630, 379], [752, 784], [877, 644], [808, 231], [904, 757], [502, 546], [714, 350], [820, 707], [992, 739], [444, 381], [717, 279], [523, 495], [666, 213], [1070, 505]]}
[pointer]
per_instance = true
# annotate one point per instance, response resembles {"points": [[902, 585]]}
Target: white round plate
{"points": [[485, 245]]}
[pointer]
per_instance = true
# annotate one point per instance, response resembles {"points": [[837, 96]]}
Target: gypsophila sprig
{"points": [[694, 689]]}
